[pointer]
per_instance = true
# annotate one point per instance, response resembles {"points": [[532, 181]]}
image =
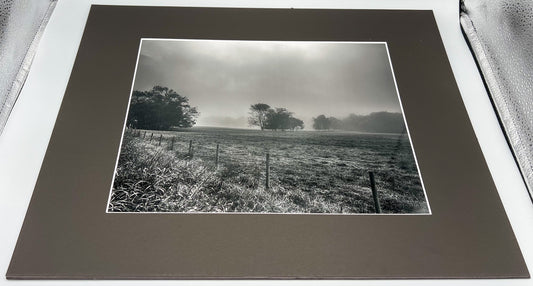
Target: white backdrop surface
{"points": [[26, 135]]}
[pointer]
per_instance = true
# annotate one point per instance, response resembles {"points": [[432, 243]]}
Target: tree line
{"points": [[376, 122]]}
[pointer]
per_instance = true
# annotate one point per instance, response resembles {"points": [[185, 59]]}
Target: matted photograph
{"points": [[292, 127], [290, 140]]}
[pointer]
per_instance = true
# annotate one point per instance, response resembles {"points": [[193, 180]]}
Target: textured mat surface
{"points": [[21, 25], [500, 34]]}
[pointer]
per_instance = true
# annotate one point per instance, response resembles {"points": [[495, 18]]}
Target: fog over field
{"points": [[223, 78]]}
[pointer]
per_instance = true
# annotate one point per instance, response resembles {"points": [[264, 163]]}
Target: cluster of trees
{"points": [[376, 122], [265, 117], [160, 109]]}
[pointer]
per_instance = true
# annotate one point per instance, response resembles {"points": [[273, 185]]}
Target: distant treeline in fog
{"points": [[376, 122]]}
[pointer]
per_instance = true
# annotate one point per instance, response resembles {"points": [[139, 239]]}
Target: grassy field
{"points": [[311, 172]]}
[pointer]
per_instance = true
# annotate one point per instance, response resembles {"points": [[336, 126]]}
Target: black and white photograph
{"points": [[290, 127]]}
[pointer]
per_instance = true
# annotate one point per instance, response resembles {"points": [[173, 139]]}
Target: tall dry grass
{"points": [[153, 178]]}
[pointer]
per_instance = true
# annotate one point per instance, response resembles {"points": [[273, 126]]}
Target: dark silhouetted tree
{"points": [[278, 119], [160, 109], [265, 117], [258, 115], [321, 123]]}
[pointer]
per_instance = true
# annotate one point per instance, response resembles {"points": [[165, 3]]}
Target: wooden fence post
{"points": [[160, 138], [216, 158], [377, 206], [190, 149], [151, 136], [267, 171], [172, 143]]}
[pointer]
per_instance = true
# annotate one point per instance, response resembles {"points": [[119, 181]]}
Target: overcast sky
{"points": [[223, 78]]}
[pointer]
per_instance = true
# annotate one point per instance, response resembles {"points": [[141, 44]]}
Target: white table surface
{"points": [[25, 137]]}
